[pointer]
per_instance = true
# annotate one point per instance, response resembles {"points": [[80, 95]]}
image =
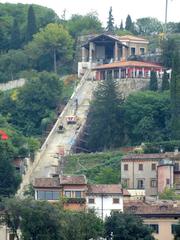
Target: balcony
{"points": [[74, 201]]}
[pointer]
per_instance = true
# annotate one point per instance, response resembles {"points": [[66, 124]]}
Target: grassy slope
{"points": [[92, 164]]}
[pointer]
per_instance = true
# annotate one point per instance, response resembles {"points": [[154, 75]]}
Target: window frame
{"points": [[126, 167], [140, 167], [116, 200], [153, 166], [91, 200]]}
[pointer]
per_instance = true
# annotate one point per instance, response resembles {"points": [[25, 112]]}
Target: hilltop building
{"points": [[107, 55]]}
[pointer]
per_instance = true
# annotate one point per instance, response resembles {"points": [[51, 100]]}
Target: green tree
{"points": [[153, 84], [36, 100], [110, 22], [31, 24], [129, 26], [148, 26], [105, 117], [168, 48], [53, 40], [121, 25], [175, 97], [165, 81], [152, 123], [8, 179], [123, 226], [15, 35], [108, 176]]}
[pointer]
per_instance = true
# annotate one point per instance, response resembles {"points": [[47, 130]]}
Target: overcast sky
{"points": [[136, 8]]}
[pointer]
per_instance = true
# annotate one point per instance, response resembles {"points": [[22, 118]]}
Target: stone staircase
{"points": [[48, 157]]}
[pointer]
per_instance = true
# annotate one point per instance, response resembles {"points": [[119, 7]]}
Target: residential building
{"points": [[106, 48], [161, 216], [105, 198], [152, 172], [76, 194]]}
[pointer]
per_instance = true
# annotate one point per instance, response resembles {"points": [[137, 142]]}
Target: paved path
{"points": [[47, 159]]}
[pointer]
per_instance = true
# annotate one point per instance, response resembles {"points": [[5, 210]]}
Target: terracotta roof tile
{"points": [[157, 207], [105, 189], [131, 37], [47, 183], [156, 156], [128, 64], [73, 180]]}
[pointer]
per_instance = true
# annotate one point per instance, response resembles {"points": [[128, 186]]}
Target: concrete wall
{"points": [[12, 84], [103, 205], [164, 227]]}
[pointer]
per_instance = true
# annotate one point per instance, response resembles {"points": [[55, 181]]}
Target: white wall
{"points": [[103, 205]]}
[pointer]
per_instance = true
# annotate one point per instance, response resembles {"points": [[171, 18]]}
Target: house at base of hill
{"points": [[108, 56], [161, 216], [151, 172], [76, 194]]}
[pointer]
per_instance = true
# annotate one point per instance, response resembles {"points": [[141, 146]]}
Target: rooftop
{"points": [[105, 189], [73, 180], [149, 156], [120, 64], [47, 183], [153, 208]]}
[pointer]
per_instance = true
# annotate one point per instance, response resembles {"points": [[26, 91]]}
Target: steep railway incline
{"points": [[47, 159]]}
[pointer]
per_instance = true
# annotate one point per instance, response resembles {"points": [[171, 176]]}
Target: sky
{"points": [[121, 8]]}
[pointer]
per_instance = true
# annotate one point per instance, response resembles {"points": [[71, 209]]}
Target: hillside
{"points": [[99, 167]]}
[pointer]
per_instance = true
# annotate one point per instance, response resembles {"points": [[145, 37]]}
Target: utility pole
{"points": [[165, 25]]}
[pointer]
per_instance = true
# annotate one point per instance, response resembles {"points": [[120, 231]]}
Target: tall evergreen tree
{"points": [[110, 22], [31, 24], [165, 81], [15, 36], [121, 25], [129, 26], [104, 128], [153, 85], [175, 96]]}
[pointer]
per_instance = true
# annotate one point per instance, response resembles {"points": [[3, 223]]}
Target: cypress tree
{"points": [[110, 22], [105, 118], [31, 24], [129, 26], [165, 81], [15, 42], [175, 97], [121, 25], [153, 85]]}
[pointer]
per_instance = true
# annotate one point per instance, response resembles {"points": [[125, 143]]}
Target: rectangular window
{"points": [[140, 184], [48, 195], [78, 194], [167, 181], [153, 166], [176, 167], [67, 194], [125, 167], [140, 167], [142, 51], [91, 200], [173, 228], [155, 228], [115, 200], [41, 195], [153, 183], [133, 51], [55, 195]]}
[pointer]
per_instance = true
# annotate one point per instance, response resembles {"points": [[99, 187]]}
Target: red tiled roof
{"points": [[121, 64], [47, 183], [104, 189], [73, 180], [148, 156], [131, 38], [154, 208]]}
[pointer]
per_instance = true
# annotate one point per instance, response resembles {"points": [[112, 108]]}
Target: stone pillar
{"points": [[105, 74], [84, 54], [90, 51], [116, 51], [134, 72], [143, 72], [119, 73], [127, 73], [112, 73]]}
